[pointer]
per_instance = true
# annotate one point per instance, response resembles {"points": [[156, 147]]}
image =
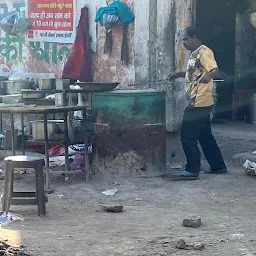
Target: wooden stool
{"points": [[24, 198]]}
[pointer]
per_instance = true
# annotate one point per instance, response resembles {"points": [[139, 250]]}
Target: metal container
{"points": [[61, 99], [129, 131], [15, 86], [62, 84], [47, 84], [2, 85], [2, 88], [38, 129], [12, 99]]}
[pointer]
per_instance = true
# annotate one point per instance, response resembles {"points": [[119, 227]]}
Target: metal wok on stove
{"points": [[97, 87]]}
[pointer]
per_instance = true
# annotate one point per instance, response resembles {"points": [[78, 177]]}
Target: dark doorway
{"points": [[216, 20]]}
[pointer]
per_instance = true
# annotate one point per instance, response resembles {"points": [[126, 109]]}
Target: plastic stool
{"points": [[24, 198]]}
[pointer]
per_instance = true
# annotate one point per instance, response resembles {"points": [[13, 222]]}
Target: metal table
{"points": [[45, 110]]}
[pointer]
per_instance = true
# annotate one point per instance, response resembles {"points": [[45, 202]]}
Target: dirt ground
{"points": [[151, 223]]}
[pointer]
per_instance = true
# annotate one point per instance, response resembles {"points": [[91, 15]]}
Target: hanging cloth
{"points": [[79, 63], [124, 49], [125, 17]]}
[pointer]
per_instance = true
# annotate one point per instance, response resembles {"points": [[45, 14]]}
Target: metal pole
{"points": [[86, 158], [46, 149], [66, 144], [12, 135], [22, 135], [1, 122]]}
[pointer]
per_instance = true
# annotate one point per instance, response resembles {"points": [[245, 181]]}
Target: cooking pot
{"points": [[38, 129], [15, 86], [47, 84]]}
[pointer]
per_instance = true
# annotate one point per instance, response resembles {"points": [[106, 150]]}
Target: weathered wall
{"points": [[245, 56], [141, 40], [154, 47], [34, 56], [173, 16], [245, 46], [48, 57], [105, 67], [109, 68]]}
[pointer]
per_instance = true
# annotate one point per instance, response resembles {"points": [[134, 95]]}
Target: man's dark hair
{"points": [[193, 32]]}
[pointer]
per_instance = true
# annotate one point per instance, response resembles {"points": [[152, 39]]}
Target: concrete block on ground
{"points": [[192, 222]]}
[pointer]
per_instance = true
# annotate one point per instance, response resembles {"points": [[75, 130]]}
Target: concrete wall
{"points": [[42, 57], [173, 17], [33, 56], [245, 46], [154, 47]]}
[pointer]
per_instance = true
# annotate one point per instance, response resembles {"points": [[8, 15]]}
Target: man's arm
{"points": [[177, 75], [213, 74], [208, 61]]}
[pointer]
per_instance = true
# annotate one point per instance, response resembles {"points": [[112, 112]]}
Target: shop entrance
{"points": [[216, 19]]}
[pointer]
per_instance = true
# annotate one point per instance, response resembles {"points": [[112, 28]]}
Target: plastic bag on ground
{"points": [[73, 149], [7, 218], [78, 162], [110, 192], [250, 167], [57, 161]]}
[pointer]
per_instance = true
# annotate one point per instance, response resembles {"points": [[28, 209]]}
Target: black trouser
{"points": [[196, 126]]}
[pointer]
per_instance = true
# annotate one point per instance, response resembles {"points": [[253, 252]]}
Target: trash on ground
{"points": [[175, 167], [78, 161], [110, 192], [116, 208], [58, 150], [236, 236], [73, 149], [61, 196], [56, 161], [7, 218], [8, 250], [250, 167]]}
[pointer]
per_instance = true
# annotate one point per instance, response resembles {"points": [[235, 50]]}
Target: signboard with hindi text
{"points": [[52, 20]]}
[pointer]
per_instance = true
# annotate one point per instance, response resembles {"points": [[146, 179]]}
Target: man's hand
{"points": [[214, 74], [176, 75], [206, 78]]}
